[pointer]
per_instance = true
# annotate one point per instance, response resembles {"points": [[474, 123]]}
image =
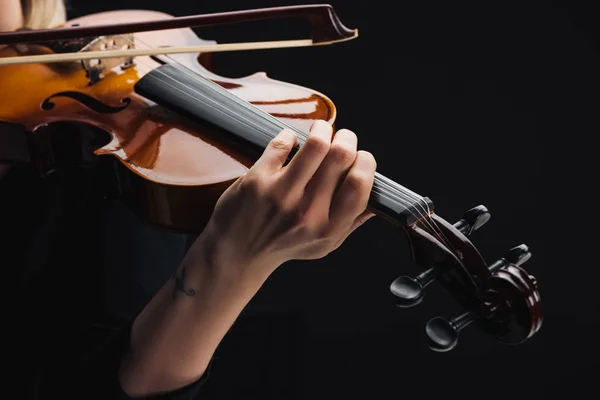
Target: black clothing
{"points": [[85, 267]]}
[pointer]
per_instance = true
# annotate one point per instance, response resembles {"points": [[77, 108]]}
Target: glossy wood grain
{"points": [[159, 147]]}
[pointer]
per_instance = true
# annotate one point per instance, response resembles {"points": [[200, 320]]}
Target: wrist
{"points": [[222, 262]]}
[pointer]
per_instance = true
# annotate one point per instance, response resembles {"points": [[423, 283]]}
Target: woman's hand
{"points": [[304, 210], [270, 215]]}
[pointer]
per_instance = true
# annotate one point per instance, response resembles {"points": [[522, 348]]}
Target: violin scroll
{"points": [[510, 309], [502, 298]]}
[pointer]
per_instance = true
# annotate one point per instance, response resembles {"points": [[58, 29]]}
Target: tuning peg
{"points": [[517, 255], [443, 334], [410, 291], [473, 219]]}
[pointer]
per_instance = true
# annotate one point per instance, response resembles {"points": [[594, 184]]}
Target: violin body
{"points": [[174, 171]]}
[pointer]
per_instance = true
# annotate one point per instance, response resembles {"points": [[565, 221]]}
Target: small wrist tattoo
{"points": [[180, 284]]}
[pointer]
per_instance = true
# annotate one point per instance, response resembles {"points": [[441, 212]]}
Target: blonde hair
{"points": [[43, 14]]}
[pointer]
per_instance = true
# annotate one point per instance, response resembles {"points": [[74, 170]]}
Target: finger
{"points": [[352, 198], [277, 151], [308, 159], [333, 169]]}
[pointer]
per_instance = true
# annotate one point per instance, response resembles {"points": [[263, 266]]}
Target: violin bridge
{"points": [[97, 69]]}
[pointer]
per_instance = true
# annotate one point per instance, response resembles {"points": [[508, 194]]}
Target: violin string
{"points": [[388, 188], [406, 194], [424, 206]]}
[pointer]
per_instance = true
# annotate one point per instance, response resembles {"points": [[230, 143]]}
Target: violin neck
{"points": [[398, 203], [251, 128]]}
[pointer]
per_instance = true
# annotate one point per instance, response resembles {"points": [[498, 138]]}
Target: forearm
{"points": [[176, 335]]}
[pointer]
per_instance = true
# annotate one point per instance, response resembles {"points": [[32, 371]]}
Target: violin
{"points": [[181, 134]]}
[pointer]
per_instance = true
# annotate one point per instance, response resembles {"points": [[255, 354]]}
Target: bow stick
{"points": [[325, 26]]}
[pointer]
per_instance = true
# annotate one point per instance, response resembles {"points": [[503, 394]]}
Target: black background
{"points": [[467, 103]]}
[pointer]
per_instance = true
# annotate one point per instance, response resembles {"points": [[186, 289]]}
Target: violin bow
{"points": [[325, 25]]}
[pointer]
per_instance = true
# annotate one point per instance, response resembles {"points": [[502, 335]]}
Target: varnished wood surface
{"points": [[141, 138]]}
